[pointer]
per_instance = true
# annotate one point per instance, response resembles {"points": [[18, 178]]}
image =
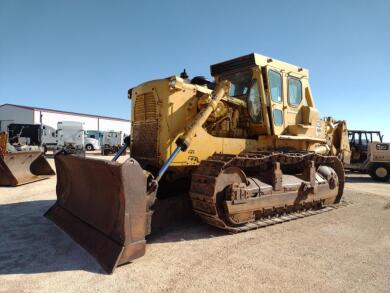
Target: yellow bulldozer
{"points": [[248, 149], [21, 166]]}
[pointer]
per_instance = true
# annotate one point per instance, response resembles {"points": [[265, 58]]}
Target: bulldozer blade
{"points": [[103, 206], [23, 167]]}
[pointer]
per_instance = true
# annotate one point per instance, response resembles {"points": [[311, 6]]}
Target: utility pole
{"points": [[40, 134]]}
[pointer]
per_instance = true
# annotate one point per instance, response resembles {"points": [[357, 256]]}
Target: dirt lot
{"points": [[346, 250]]}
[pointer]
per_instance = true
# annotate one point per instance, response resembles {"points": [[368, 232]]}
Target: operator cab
{"points": [[359, 140], [276, 94], [361, 137]]}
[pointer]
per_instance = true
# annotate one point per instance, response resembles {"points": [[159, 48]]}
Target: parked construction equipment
{"points": [[369, 154], [247, 149], [23, 165]]}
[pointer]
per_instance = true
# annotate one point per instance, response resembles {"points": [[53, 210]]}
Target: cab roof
{"points": [[255, 59]]}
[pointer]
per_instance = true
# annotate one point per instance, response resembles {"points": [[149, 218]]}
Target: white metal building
{"points": [[10, 113]]}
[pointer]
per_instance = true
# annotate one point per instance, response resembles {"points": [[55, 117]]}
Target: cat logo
{"points": [[382, 147]]}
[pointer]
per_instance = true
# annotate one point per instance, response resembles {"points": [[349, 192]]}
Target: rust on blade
{"points": [[103, 206], [23, 167]]}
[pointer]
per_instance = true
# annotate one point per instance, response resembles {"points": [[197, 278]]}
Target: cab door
{"points": [[256, 105], [293, 99], [275, 99]]}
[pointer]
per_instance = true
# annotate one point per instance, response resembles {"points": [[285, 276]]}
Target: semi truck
{"points": [[111, 142], [51, 139]]}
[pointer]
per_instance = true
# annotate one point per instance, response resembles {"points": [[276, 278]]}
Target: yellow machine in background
{"points": [[248, 150], [370, 154]]}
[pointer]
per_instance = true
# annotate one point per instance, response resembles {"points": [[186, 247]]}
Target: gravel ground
{"points": [[345, 250]]}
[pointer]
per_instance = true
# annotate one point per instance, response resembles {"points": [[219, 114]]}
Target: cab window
{"points": [[294, 91], [365, 139], [377, 137], [351, 137], [254, 104], [275, 83], [239, 83], [278, 117]]}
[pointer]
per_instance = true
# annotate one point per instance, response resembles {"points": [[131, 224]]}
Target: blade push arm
{"points": [[184, 141]]}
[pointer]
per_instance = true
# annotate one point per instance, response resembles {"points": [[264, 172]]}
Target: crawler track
{"points": [[208, 198]]}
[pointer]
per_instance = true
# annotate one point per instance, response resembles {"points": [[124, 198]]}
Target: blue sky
{"points": [[84, 55]]}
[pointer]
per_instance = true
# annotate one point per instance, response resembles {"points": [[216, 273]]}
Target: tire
{"points": [[44, 149], [89, 147], [380, 172]]}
